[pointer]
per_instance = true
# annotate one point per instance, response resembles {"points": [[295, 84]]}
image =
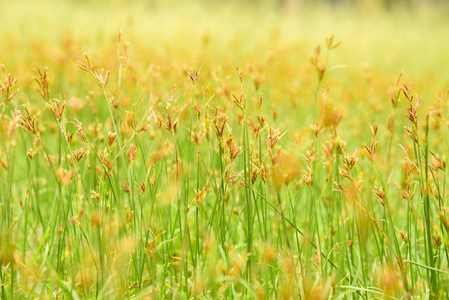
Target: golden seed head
{"points": [[95, 195], [26, 122], [132, 152], [111, 138], [56, 107], [100, 75], [79, 153], [7, 86], [43, 83]]}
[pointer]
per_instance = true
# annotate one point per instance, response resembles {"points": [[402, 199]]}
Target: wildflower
{"points": [[239, 101], [197, 137], [317, 130], [197, 108], [219, 122], [308, 177], [411, 132], [310, 156], [105, 160], [193, 74], [129, 216], [412, 109], [79, 153], [57, 108], [404, 237], [200, 194], [7, 87], [122, 50], [330, 42], [132, 152], [141, 187], [315, 60], [31, 153], [171, 121], [233, 149], [80, 131], [111, 138], [204, 91], [379, 192], [100, 75], [239, 73], [257, 129], [438, 162], [436, 240], [94, 195], [261, 119], [350, 160], [265, 172], [274, 135], [25, 121], [43, 83]]}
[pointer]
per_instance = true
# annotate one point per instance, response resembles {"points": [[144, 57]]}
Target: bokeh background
{"points": [[377, 37]]}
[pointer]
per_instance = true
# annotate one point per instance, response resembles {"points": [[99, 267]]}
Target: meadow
{"points": [[223, 150]]}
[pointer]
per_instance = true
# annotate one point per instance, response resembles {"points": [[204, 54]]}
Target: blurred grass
{"points": [[374, 41], [386, 41]]}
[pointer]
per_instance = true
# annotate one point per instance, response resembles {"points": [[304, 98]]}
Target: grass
{"points": [[202, 161]]}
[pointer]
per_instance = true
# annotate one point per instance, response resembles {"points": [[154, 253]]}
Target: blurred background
{"points": [[273, 38]]}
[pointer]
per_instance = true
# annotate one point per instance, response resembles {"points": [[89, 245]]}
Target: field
{"points": [[224, 150]]}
